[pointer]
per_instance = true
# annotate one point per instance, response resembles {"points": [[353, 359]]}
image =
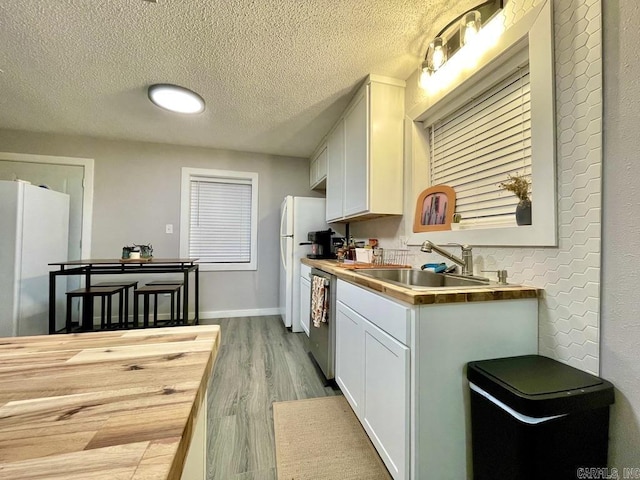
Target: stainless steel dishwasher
{"points": [[322, 339]]}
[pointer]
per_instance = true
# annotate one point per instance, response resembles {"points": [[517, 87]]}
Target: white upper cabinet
{"points": [[318, 168], [356, 198], [365, 158], [335, 172]]}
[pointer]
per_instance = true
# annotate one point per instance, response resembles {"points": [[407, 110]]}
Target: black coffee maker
{"points": [[321, 244]]}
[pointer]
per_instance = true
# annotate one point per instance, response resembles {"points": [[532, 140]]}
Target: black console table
{"points": [[88, 268]]}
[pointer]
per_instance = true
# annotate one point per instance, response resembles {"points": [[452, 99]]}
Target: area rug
{"points": [[321, 439]]}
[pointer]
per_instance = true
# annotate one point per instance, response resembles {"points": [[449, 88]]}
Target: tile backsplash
{"points": [[569, 273]]}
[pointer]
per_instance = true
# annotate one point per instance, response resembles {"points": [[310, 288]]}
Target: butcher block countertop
{"points": [[425, 296], [103, 405]]}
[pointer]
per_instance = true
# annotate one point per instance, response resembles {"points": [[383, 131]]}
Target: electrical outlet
{"points": [[168, 228], [403, 241]]}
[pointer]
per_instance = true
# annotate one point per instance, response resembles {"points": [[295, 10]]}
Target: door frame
{"points": [[87, 184]]}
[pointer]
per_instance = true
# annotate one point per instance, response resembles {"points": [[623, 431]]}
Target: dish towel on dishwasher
{"points": [[319, 301]]}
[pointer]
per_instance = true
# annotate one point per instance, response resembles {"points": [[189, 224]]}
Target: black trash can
{"points": [[533, 417]]}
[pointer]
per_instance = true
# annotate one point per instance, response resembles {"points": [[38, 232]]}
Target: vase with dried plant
{"points": [[520, 187]]}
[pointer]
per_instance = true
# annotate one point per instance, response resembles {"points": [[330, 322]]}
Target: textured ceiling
{"points": [[275, 73]]}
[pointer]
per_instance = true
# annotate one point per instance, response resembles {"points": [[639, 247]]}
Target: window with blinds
{"points": [[476, 147], [220, 209]]}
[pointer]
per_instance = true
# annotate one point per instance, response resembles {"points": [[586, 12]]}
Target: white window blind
{"points": [[476, 147], [220, 220]]}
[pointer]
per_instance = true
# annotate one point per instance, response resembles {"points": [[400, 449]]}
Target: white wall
{"points": [[580, 170], [137, 192], [569, 274], [620, 335]]}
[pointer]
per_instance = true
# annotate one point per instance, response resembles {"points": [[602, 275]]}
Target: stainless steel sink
{"points": [[424, 279]]}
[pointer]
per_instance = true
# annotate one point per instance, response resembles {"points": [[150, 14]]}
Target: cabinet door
{"points": [[195, 465], [386, 398], [313, 172], [305, 303], [349, 356], [356, 190], [335, 173], [321, 166], [318, 168]]}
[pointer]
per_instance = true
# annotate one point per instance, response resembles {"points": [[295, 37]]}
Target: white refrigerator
{"points": [[34, 229], [298, 217]]}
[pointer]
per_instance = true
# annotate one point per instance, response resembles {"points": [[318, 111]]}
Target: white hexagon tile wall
{"points": [[569, 274]]}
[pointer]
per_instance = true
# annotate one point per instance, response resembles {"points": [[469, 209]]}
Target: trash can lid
{"points": [[540, 386]]}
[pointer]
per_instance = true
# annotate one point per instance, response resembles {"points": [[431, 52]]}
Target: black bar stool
{"points": [[127, 286], [88, 294], [155, 290], [171, 282]]}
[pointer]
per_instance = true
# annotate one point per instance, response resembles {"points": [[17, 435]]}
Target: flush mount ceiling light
{"points": [[460, 32], [175, 98]]}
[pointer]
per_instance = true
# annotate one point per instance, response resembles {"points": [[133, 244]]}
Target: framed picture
{"points": [[434, 209]]}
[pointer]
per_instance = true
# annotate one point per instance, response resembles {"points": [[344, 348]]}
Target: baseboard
{"points": [[256, 312]]}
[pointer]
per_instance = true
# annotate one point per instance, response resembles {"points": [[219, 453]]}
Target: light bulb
{"points": [[424, 78], [470, 32], [438, 58], [470, 26], [438, 53]]}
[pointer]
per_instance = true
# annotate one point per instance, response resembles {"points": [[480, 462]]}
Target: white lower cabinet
{"points": [[349, 355], [402, 369], [305, 297], [386, 398], [195, 463], [372, 370]]}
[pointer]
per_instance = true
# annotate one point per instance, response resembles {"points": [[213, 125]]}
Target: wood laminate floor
{"points": [[259, 362]]}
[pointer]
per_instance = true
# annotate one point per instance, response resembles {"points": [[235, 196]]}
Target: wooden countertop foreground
{"points": [[103, 405], [426, 296]]}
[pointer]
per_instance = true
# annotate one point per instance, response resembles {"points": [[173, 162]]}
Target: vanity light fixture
{"points": [[175, 98], [461, 31]]}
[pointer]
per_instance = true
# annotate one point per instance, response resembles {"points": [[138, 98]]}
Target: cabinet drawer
{"points": [[305, 271], [386, 314]]}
